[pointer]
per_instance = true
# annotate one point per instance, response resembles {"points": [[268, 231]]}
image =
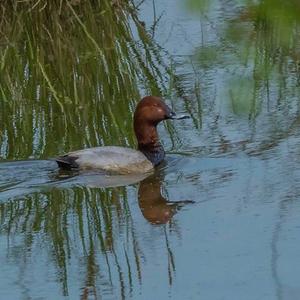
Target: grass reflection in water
{"points": [[88, 228]]}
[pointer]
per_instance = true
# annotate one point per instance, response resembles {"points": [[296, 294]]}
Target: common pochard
{"points": [[121, 160]]}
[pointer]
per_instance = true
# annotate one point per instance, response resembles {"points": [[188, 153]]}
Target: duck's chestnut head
{"points": [[148, 113], [152, 110]]}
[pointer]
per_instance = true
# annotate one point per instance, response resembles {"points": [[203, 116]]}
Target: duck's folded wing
{"points": [[112, 159]]}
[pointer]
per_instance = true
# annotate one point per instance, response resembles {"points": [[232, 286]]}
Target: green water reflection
{"points": [[81, 218], [89, 226], [259, 39]]}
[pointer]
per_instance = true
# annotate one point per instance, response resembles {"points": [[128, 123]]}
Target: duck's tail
{"points": [[67, 162]]}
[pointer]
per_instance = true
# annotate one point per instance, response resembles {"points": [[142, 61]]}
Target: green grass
{"points": [[71, 72]]}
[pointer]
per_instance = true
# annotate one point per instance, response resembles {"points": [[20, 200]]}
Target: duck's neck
{"points": [[148, 142]]}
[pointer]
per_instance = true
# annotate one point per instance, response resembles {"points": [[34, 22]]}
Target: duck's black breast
{"points": [[156, 155]]}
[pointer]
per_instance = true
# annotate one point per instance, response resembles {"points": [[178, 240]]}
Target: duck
{"points": [[149, 112]]}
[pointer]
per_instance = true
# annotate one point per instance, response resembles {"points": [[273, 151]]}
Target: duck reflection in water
{"points": [[154, 206]]}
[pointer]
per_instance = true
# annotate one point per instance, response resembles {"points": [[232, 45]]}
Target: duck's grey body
{"points": [[112, 159]]}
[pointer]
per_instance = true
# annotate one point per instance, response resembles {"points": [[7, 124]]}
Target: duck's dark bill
{"points": [[180, 117]]}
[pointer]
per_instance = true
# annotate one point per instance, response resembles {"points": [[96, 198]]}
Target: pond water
{"points": [[219, 219]]}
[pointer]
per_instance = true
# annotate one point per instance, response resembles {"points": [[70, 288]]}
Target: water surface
{"points": [[219, 219]]}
